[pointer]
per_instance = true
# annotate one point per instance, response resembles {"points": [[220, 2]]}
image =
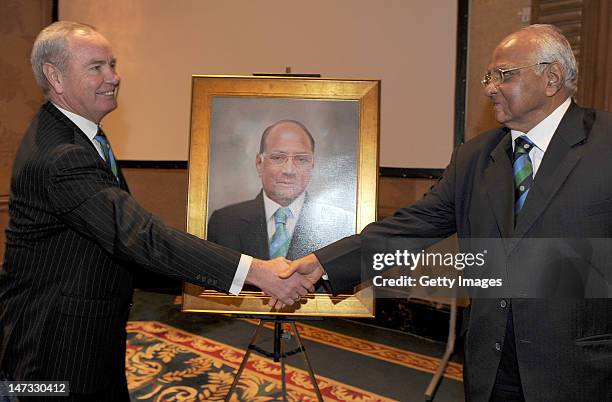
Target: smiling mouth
{"points": [[107, 93]]}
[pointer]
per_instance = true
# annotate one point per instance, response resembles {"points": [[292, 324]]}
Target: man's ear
{"points": [[556, 78], [54, 78], [259, 164]]}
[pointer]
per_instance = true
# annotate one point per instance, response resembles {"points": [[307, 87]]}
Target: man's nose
{"points": [[289, 166], [490, 89], [112, 77]]}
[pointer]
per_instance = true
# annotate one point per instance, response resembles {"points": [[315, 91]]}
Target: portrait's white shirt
{"points": [[91, 129], [271, 207], [542, 133]]}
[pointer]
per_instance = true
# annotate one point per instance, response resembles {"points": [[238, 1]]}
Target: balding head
{"points": [[285, 160], [285, 123], [527, 77]]}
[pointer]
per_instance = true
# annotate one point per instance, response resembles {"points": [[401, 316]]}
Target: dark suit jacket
{"points": [[242, 227], [73, 240], [563, 345]]}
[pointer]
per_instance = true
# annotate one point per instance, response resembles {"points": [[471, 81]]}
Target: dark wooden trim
{"points": [[412, 173], [4, 201], [55, 11], [595, 83], [132, 164], [461, 71], [586, 25]]}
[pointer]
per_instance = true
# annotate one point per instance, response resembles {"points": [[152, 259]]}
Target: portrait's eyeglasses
{"points": [[300, 161], [499, 75]]}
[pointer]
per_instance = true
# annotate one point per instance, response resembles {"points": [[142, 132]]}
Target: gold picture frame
{"points": [[364, 96]]}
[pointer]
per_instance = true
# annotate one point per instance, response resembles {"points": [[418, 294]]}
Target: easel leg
{"points": [[279, 354], [282, 363], [307, 362], [244, 361]]}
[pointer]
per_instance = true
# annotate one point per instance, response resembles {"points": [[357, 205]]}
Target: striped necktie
{"points": [[279, 244], [523, 172], [107, 152]]}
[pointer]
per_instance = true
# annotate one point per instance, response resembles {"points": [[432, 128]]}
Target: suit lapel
{"points": [[78, 134], [559, 160], [300, 234], [80, 137], [499, 186], [254, 232]]}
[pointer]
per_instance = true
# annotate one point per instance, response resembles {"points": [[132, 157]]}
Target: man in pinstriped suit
{"points": [[75, 234]]}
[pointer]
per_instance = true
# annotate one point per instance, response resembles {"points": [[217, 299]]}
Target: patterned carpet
{"points": [[166, 364], [375, 350]]}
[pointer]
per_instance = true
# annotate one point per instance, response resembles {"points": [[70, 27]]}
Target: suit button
{"points": [[503, 303], [497, 346]]}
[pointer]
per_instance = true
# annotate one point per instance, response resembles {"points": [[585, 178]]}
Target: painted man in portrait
{"points": [[283, 219]]}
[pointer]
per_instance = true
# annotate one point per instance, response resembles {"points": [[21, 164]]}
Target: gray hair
{"points": [[51, 46], [552, 45], [264, 136]]}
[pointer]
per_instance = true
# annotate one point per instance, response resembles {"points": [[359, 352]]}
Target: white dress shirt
{"points": [[87, 126], [541, 134], [91, 129]]}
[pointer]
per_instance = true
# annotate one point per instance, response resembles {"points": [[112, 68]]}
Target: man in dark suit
{"points": [[76, 236], [284, 163], [535, 184]]}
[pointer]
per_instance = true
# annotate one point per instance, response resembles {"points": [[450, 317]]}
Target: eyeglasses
{"points": [[300, 161], [499, 75]]}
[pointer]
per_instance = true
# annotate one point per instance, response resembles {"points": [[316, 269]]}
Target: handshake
{"points": [[284, 280]]}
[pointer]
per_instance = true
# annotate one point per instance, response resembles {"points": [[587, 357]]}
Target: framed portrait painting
{"points": [[280, 167]]}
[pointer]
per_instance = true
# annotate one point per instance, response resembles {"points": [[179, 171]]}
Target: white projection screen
{"points": [[410, 45]]}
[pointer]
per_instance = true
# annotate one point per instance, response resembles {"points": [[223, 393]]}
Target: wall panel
{"points": [[20, 98]]}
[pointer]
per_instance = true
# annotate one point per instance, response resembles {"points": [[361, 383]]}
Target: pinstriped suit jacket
{"points": [[74, 240]]}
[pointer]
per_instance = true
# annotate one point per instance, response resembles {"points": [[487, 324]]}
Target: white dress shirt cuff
{"points": [[241, 273]]}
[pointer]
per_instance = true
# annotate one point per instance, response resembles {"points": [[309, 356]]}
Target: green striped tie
{"points": [[523, 172], [279, 244]]}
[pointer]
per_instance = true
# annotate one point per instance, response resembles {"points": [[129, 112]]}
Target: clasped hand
{"points": [[285, 281]]}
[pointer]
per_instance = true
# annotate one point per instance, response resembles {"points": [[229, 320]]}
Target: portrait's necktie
{"points": [[279, 244], [523, 172], [107, 152]]}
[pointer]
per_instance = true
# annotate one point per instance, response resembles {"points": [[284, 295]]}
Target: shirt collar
{"points": [[87, 126], [543, 132], [271, 206]]}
